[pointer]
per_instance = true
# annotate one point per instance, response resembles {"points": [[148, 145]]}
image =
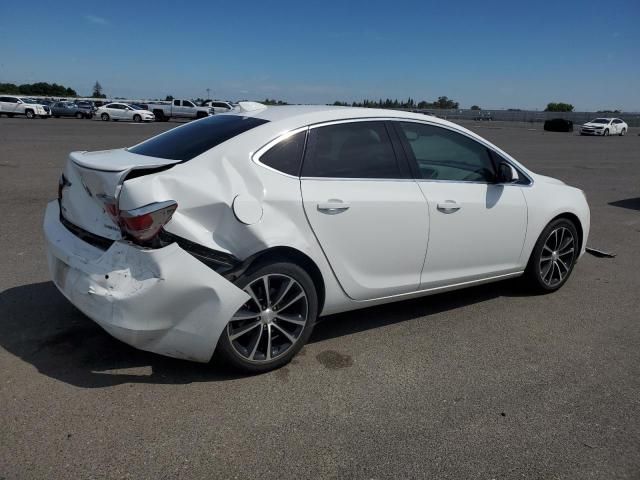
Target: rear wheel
{"points": [[275, 323], [30, 114], [553, 256], [105, 117], [79, 115], [606, 132], [137, 118], [623, 132]]}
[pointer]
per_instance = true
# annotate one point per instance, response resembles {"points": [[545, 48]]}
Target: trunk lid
{"points": [[92, 186]]}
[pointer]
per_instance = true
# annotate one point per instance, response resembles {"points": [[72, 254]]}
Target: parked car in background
{"points": [[558, 125], [177, 108], [123, 111], [87, 104], [70, 109], [236, 232], [483, 116], [604, 127], [218, 106], [10, 106]]}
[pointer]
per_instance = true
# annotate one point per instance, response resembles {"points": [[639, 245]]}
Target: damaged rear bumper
{"points": [[162, 300]]}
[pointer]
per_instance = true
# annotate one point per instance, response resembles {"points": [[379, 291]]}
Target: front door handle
{"points": [[448, 206], [333, 206]]}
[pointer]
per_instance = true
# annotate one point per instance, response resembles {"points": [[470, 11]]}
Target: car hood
{"points": [[589, 124], [550, 180]]}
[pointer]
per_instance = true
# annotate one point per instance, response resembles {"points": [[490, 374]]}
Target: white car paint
{"points": [[11, 105], [373, 241], [123, 111], [605, 126], [219, 106]]}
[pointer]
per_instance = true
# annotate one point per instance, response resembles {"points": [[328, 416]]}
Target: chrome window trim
{"points": [[481, 142], [255, 157]]}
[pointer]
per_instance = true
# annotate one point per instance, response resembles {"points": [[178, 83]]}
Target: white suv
{"points": [[29, 107]]}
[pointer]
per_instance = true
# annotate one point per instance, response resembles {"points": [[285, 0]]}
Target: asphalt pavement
{"points": [[484, 383]]}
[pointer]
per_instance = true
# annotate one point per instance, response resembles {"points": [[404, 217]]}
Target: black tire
{"points": [[56, 116], [137, 118], [281, 271], [104, 117], [30, 114], [201, 115], [44, 117], [623, 132], [537, 275], [9, 115], [606, 132], [79, 115]]}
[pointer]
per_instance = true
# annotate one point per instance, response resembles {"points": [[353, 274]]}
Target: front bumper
{"points": [[162, 300], [591, 132]]}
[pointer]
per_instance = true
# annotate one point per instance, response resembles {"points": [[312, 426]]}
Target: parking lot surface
{"points": [[483, 383]]}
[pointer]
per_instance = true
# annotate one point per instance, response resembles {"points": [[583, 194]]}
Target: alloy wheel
{"points": [[556, 258], [272, 320]]}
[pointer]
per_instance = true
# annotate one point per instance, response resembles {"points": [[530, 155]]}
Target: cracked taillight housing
{"points": [[143, 224]]}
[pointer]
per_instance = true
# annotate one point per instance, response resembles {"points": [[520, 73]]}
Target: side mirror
{"points": [[506, 173]]}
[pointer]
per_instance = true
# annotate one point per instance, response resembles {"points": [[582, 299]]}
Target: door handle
{"points": [[333, 206], [448, 206]]}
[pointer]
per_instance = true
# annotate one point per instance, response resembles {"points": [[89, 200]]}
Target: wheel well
{"points": [[294, 256], [576, 221]]}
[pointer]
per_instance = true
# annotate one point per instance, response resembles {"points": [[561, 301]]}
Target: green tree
{"points": [[559, 107], [475, 107], [97, 90], [168, 98], [10, 88]]}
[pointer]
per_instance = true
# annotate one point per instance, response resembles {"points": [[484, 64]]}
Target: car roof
{"points": [[291, 116]]}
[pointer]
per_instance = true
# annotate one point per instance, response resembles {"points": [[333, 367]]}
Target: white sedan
{"points": [[605, 127], [234, 233], [124, 111]]}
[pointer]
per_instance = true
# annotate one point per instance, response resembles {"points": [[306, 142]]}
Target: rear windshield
{"points": [[189, 141]]}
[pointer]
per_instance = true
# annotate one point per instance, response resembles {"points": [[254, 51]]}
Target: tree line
{"points": [[442, 103], [39, 88]]}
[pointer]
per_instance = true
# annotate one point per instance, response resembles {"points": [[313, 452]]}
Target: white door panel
{"points": [[373, 232], [476, 230]]}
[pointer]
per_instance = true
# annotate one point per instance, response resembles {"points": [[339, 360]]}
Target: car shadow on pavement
{"points": [[630, 203], [39, 326], [375, 317]]}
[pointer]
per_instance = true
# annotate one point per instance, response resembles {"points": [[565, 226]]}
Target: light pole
{"points": [[208, 97]]}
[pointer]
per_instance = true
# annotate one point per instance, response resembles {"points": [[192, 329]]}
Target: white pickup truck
{"points": [[178, 109]]}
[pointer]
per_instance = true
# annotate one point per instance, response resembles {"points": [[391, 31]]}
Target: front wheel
{"points": [[623, 132], [137, 118], [30, 114], [553, 256], [105, 117], [79, 115], [606, 132], [275, 323]]}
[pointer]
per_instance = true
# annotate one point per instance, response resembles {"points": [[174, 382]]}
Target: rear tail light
{"points": [[144, 223]]}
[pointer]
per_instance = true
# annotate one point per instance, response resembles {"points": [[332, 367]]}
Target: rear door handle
{"points": [[333, 206], [448, 206]]}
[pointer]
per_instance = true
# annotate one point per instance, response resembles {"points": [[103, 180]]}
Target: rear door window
{"points": [[190, 140], [351, 150]]}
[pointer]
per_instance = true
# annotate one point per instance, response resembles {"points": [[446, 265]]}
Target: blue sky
{"points": [[497, 54]]}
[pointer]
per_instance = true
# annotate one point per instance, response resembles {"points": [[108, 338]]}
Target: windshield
{"points": [[189, 141], [30, 101], [600, 120], [136, 107]]}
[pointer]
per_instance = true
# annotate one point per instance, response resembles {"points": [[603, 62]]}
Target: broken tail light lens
{"points": [[144, 223]]}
